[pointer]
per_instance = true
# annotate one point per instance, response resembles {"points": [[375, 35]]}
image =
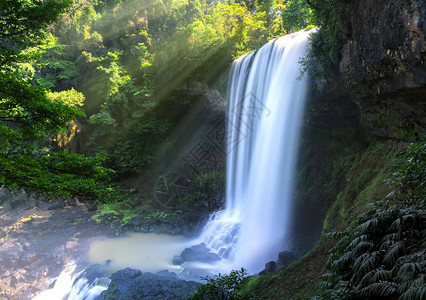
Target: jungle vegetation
{"points": [[113, 66]]}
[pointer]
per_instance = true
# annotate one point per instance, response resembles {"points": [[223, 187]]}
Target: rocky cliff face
{"points": [[384, 63]]}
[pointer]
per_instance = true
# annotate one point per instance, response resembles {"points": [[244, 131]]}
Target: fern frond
{"points": [[358, 261], [412, 233], [363, 247], [409, 268], [336, 235], [356, 241], [325, 285], [342, 243], [369, 263], [419, 281], [381, 255], [365, 280], [411, 216], [372, 223], [327, 276], [387, 244], [414, 293], [396, 251], [389, 237], [405, 283], [382, 275], [396, 225], [341, 263], [380, 289]]}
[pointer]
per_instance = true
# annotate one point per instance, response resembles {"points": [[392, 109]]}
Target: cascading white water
{"points": [[73, 285], [266, 103]]}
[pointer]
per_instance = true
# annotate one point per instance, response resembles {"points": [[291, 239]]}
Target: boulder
{"points": [[285, 258], [199, 253], [5, 195], [57, 204], [167, 273], [91, 207], [177, 260], [270, 266], [71, 202], [129, 284]]}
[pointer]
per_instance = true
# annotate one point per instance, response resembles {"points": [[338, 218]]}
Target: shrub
{"points": [[57, 174], [222, 287], [324, 53]]}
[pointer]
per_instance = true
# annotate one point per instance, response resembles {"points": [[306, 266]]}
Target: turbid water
{"points": [[148, 252], [143, 251]]}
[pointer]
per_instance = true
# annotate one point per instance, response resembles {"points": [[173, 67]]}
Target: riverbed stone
{"points": [[199, 253], [130, 284], [37, 243], [57, 204], [92, 273], [177, 260], [167, 273]]}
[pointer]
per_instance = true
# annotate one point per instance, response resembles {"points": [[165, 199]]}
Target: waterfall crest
{"points": [[265, 106]]}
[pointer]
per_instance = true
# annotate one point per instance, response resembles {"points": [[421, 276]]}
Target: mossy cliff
{"points": [[353, 135], [383, 63]]}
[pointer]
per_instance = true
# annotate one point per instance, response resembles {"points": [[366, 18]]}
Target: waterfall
{"points": [[266, 103], [265, 107]]}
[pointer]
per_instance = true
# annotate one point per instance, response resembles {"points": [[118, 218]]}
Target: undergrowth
{"points": [[383, 252], [58, 174], [221, 287]]}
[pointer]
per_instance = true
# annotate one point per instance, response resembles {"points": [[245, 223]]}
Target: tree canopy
{"points": [[30, 113], [26, 112], [121, 63]]}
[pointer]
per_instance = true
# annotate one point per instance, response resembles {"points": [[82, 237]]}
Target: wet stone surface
{"points": [[37, 239], [200, 253], [129, 284]]}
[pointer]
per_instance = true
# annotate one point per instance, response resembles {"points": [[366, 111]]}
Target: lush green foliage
{"points": [[297, 15], [132, 59], [382, 253], [409, 179], [322, 60], [206, 190], [53, 70], [25, 110], [29, 113], [71, 98], [129, 62], [221, 287], [116, 214], [57, 174]]}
